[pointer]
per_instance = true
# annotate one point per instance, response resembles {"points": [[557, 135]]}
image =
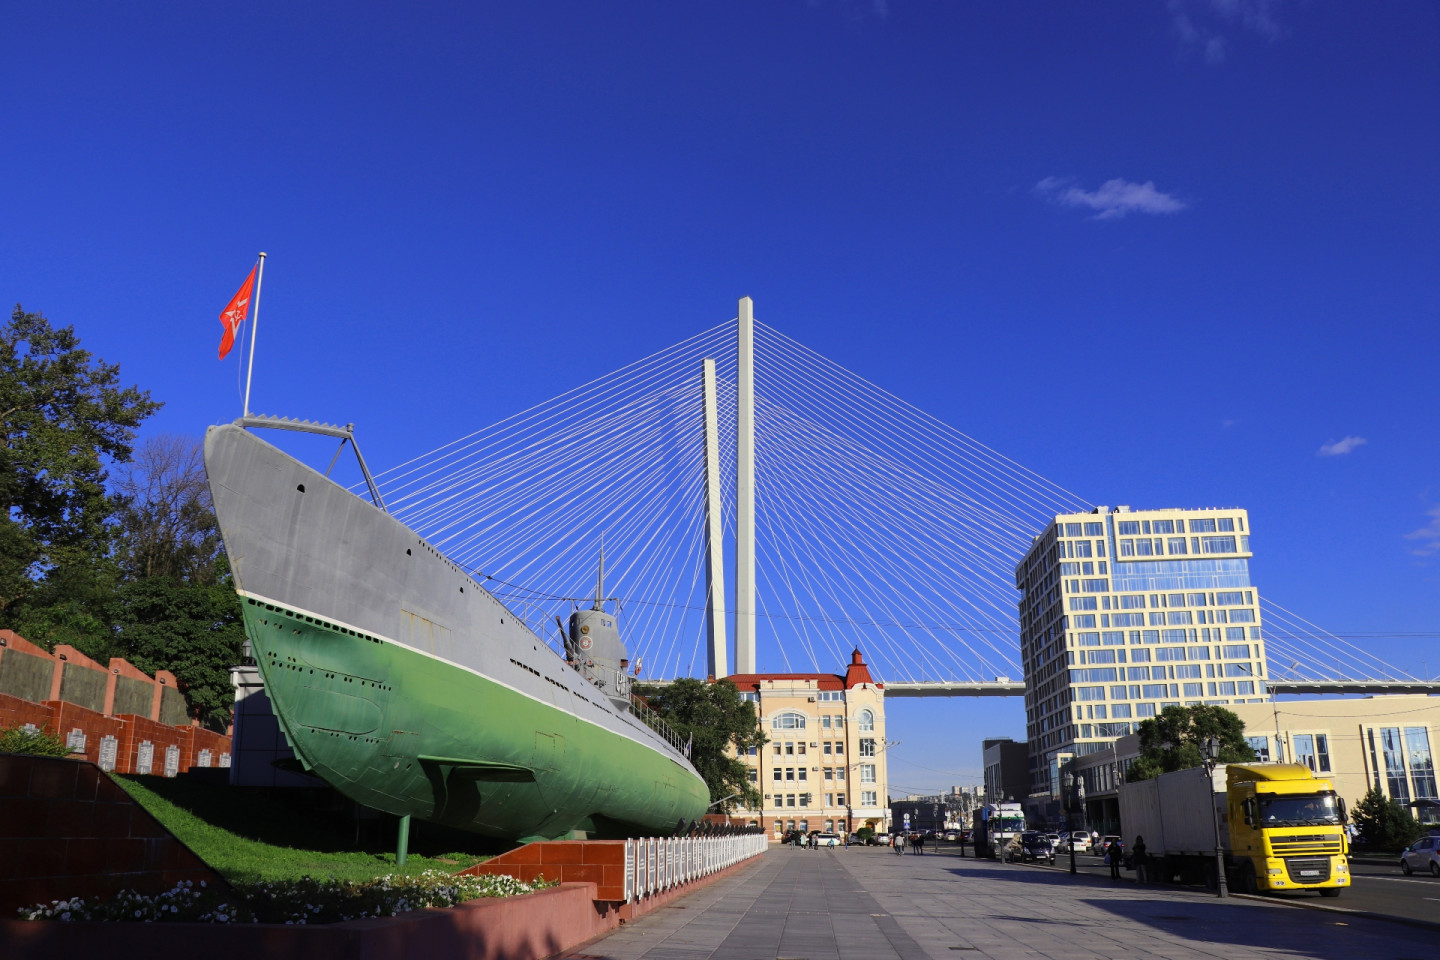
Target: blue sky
{"points": [[1161, 253]]}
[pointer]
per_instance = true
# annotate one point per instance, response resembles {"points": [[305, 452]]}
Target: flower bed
{"points": [[303, 901]]}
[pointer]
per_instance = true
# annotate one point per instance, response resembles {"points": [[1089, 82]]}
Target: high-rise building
{"points": [[1126, 612]]}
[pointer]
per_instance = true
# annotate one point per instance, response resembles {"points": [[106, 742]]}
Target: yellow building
{"points": [[1356, 743], [1124, 613], [824, 767]]}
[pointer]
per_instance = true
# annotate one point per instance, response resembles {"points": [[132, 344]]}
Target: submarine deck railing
{"points": [[642, 712]]}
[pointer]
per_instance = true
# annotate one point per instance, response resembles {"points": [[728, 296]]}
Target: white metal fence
{"points": [[656, 864]]}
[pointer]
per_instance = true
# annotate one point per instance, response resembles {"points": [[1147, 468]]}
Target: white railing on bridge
{"points": [[656, 864]]}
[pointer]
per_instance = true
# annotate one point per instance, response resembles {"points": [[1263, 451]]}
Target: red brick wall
{"points": [[15, 712], [130, 731], [601, 862], [139, 729], [67, 830]]}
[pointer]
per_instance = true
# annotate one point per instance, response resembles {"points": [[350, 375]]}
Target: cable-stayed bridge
{"points": [[744, 486]]}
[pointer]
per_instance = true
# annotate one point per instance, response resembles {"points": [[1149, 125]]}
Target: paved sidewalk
{"points": [[867, 903]]}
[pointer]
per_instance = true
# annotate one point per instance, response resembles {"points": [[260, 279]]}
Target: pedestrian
{"points": [[898, 842], [1112, 853], [919, 843], [1137, 857]]}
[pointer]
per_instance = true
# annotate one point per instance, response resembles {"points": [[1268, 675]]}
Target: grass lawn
{"points": [[264, 835]]}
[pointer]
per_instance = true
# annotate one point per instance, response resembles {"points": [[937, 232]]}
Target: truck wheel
{"points": [[1330, 892], [1248, 884]]}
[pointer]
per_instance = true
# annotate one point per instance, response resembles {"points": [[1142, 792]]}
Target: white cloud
{"points": [[1428, 535], [1337, 448], [1201, 24], [1114, 199]]}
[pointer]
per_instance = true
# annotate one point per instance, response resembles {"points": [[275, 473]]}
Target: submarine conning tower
{"points": [[593, 644]]}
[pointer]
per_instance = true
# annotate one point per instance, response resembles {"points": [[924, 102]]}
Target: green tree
{"points": [[175, 608], [1172, 740], [63, 415], [1384, 823], [163, 508], [719, 720]]}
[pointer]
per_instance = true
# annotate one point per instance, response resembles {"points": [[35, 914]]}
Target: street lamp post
{"points": [[1069, 788], [1210, 752]]}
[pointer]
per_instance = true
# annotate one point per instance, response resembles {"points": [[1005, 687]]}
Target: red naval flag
{"points": [[235, 312]]}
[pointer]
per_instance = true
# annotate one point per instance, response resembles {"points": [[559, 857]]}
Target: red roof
{"points": [[857, 673]]}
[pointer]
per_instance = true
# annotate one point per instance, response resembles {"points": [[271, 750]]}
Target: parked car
{"points": [[1423, 854], [1054, 840], [1079, 839], [1036, 846], [827, 839], [952, 835], [883, 839]]}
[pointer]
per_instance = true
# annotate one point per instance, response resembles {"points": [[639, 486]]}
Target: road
{"points": [[1376, 888]]}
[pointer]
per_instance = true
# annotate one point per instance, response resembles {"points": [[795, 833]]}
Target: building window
{"points": [[790, 773], [867, 747], [839, 773], [827, 748], [867, 773], [867, 798], [1393, 749], [800, 749], [804, 799], [788, 721], [1175, 546], [829, 773], [754, 776], [1303, 746], [778, 775], [804, 773], [1422, 765], [839, 748], [1217, 544], [789, 799], [829, 799], [867, 721]]}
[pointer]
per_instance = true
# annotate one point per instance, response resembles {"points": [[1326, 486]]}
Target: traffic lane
{"points": [[1373, 889], [1386, 890]]}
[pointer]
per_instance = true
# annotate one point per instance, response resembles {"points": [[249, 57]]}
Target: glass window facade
{"points": [[1422, 766], [1392, 748]]}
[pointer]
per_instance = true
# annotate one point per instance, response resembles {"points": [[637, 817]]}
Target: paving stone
{"points": [[868, 904]]}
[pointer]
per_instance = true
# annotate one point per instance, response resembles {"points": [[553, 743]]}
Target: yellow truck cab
{"points": [[1287, 829]]}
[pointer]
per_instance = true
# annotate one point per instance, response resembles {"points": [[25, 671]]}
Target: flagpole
{"points": [[254, 323]]}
